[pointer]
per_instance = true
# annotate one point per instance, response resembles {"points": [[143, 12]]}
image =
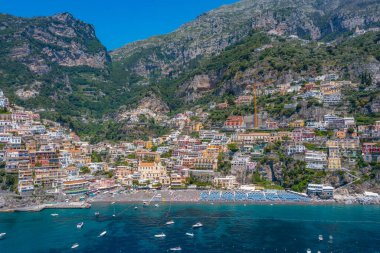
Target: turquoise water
{"points": [[227, 228]]}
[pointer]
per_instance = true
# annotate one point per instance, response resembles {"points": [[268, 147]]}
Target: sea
{"points": [[226, 228]]}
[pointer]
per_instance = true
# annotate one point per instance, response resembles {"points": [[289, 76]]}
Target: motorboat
{"points": [[171, 222], [113, 203], [320, 237], [75, 245], [135, 207], [308, 251], [2, 235], [80, 225], [54, 214], [97, 213], [102, 234], [162, 235], [156, 205], [176, 248], [198, 225], [190, 234]]}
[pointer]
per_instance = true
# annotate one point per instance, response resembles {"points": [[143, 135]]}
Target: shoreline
{"points": [[191, 197], [88, 204]]}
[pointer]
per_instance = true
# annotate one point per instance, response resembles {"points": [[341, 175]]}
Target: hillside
{"points": [[212, 32], [261, 58], [57, 66]]}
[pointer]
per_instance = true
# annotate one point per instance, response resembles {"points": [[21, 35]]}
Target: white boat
{"points": [[190, 234], [198, 225], [2, 235], [320, 237], [75, 245], [156, 205], [80, 225], [102, 234], [176, 248], [135, 207], [54, 214], [169, 222], [113, 203], [97, 213], [162, 235], [308, 251], [113, 215]]}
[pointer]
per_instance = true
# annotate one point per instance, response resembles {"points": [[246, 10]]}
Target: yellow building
{"points": [[152, 171], [341, 134], [197, 126], [148, 144], [334, 163], [297, 123]]}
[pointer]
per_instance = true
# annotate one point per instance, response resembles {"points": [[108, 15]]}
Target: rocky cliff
{"points": [[212, 32], [42, 42]]}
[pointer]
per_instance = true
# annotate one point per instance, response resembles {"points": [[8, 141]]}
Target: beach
{"points": [[14, 203]]}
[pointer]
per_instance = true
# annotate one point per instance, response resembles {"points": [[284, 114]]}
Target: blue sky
{"points": [[118, 22]]}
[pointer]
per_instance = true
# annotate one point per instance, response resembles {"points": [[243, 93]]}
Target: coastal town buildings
{"points": [[48, 157]]}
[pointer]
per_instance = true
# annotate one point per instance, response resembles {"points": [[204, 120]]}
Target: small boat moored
{"points": [[169, 222], [97, 213], [75, 245], [2, 235], [320, 237], [190, 234], [102, 234], [176, 248], [198, 225], [308, 251], [54, 214], [80, 225], [162, 235]]}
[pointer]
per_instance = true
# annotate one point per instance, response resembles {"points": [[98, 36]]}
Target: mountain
{"points": [[212, 32], [57, 66], [40, 43], [47, 63]]}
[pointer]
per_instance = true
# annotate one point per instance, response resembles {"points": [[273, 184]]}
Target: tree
{"points": [[95, 157], [233, 147], [85, 170]]}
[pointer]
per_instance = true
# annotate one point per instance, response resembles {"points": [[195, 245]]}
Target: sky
{"points": [[118, 22]]}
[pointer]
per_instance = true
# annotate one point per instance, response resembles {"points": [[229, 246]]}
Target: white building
{"points": [[228, 182], [320, 190], [316, 160], [295, 149], [332, 99], [239, 164]]}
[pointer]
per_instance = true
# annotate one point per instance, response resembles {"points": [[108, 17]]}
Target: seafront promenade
{"points": [[38, 208]]}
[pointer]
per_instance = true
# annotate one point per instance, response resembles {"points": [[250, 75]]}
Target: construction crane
{"points": [[255, 117]]}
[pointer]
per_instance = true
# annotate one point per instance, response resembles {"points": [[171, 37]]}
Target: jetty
{"points": [[59, 205]]}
